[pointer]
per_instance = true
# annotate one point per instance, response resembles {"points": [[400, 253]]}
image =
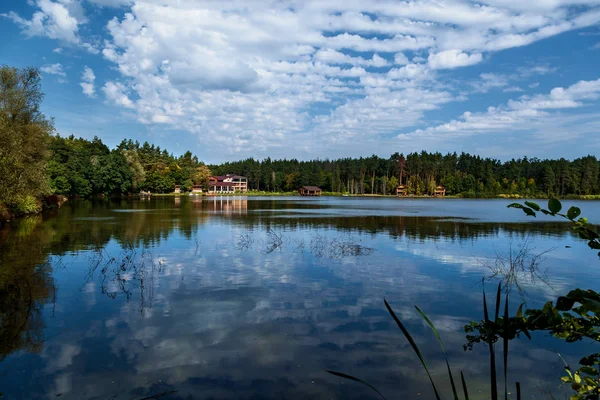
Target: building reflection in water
{"points": [[228, 205]]}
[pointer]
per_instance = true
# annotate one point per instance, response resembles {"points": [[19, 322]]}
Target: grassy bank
{"points": [[468, 195], [29, 205]]}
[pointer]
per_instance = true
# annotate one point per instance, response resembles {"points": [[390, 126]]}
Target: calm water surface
{"points": [[253, 298]]}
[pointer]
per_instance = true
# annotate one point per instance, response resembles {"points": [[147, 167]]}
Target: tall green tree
{"points": [[24, 135]]}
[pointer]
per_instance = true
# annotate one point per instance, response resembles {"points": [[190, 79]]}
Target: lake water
{"points": [[253, 298]]}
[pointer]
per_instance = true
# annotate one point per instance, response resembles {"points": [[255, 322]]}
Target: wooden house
{"points": [[197, 189], [229, 183], [310, 191], [440, 191], [401, 190], [177, 188]]}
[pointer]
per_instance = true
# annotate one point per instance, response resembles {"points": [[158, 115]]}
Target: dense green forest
{"points": [[79, 167], [35, 161], [460, 173]]}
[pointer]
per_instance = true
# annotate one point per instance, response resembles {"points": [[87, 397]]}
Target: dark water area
{"points": [[253, 298]]}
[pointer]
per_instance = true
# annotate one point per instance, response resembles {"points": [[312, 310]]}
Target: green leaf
{"points": [[498, 301], [413, 345], [514, 205], [564, 303], [573, 213], [464, 385], [533, 205], [590, 360], [505, 347], [594, 245], [437, 335], [589, 370], [592, 233], [529, 211], [554, 206], [352, 378]]}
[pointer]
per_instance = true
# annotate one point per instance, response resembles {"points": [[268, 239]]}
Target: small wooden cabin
{"points": [[177, 188], [440, 191], [310, 191], [401, 190], [197, 189]]}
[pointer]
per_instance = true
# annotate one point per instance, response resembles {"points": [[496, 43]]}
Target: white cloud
{"points": [[53, 20], [526, 113], [512, 89], [87, 82], [55, 69], [58, 20], [400, 59], [112, 3], [335, 57], [117, 92], [453, 59], [490, 81]]}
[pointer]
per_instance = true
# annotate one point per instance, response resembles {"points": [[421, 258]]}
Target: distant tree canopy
{"points": [[421, 172], [79, 167], [24, 136]]}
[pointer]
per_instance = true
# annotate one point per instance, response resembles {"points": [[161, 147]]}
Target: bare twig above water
{"points": [[244, 242], [300, 245], [198, 243], [320, 246], [520, 265], [125, 273], [274, 241]]}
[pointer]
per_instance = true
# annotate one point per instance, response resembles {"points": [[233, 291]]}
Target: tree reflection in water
{"points": [[26, 285]]}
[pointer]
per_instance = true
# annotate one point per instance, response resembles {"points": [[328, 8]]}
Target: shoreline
{"points": [[52, 202], [482, 196]]}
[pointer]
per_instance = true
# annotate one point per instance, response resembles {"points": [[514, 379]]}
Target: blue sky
{"points": [[229, 79]]}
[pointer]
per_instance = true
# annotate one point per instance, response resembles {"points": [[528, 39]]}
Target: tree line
{"points": [[420, 173], [83, 168], [80, 167], [35, 161]]}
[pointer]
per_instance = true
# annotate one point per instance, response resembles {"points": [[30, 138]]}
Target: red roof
{"points": [[221, 183], [223, 177], [313, 188]]}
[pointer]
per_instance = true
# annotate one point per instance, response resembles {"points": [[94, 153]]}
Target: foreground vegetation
{"points": [[573, 318]]}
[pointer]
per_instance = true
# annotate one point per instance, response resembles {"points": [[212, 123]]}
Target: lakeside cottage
{"points": [[197, 189], [401, 190], [310, 191], [440, 191], [230, 183], [177, 188]]}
